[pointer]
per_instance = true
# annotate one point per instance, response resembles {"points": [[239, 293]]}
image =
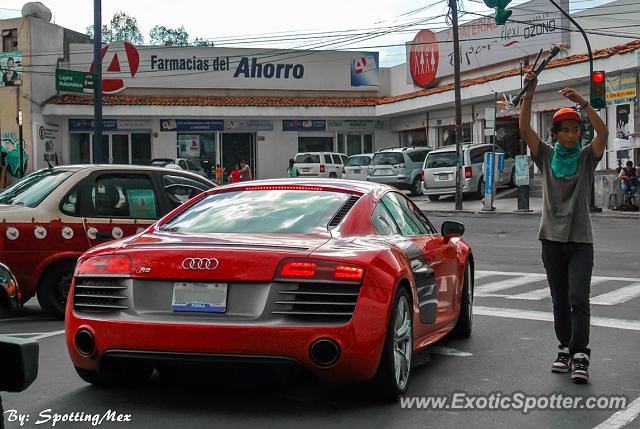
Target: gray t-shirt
{"points": [[245, 173], [565, 202]]}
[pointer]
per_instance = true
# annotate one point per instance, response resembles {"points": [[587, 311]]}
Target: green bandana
{"points": [[565, 161]]}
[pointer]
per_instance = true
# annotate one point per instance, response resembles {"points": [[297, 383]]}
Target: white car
{"points": [[182, 163], [357, 166], [320, 164]]}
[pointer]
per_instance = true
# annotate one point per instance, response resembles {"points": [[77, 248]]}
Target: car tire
{"points": [[480, 191], [333, 176], [465, 319], [433, 197], [121, 374], [416, 187], [54, 288], [397, 350]]}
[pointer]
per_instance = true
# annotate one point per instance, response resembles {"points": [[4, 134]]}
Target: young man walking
{"points": [[565, 229]]}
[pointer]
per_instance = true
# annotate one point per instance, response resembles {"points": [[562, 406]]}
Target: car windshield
{"points": [[30, 191], [260, 212], [307, 158], [358, 161], [441, 159], [387, 158]]}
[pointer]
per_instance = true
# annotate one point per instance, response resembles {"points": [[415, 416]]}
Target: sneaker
{"points": [[561, 364], [580, 368]]}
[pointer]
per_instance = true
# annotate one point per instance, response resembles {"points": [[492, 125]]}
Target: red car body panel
{"points": [[255, 258]]}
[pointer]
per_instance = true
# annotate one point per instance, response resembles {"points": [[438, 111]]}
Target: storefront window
{"points": [[315, 144], [367, 143], [355, 143], [79, 150], [447, 135], [200, 148], [416, 137]]}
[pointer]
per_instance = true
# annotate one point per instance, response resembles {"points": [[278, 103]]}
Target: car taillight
{"points": [[318, 270], [107, 265], [422, 175], [468, 172], [321, 168], [343, 170]]}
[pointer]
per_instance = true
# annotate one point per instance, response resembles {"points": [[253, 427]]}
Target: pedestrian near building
{"points": [[628, 180], [292, 171], [235, 175], [565, 229], [245, 171], [219, 174]]}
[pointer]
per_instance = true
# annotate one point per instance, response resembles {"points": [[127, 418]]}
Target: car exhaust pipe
{"points": [[85, 342], [324, 352]]}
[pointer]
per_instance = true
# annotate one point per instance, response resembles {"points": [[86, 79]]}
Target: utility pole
{"points": [[97, 82], [20, 144], [453, 5]]}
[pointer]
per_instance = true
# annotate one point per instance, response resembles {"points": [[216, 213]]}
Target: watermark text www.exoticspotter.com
{"points": [[518, 401], [50, 418]]}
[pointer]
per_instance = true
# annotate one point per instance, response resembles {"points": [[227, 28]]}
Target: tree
{"points": [[161, 35], [202, 42], [122, 27]]}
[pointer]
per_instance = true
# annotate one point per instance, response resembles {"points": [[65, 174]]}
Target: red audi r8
{"points": [[346, 278]]}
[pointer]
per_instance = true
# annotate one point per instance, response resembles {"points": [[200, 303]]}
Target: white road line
{"points": [[447, 351], [538, 294], [622, 417], [510, 313], [507, 273], [23, 334], [48, 334], [509, 283], [618, 296], [481, 274]]}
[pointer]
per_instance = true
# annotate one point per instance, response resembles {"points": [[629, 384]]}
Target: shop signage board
{"points": [[621, 88], [351, 125], [189, 145], [248, 125], [533, 25], [74, 81], [128, 66], [191, 125], [304, 125], [111, 125]]}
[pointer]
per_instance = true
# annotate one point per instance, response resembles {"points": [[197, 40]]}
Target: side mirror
{"points": [[451, 229], [18, 363]]}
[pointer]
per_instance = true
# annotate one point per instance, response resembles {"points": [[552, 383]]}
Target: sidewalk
{"points": [[505, 203]]}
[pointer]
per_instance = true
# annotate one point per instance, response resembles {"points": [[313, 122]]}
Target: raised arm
{"points": [[599, 142], [530, 137]]}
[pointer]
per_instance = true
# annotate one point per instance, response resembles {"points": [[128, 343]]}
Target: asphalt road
{"points": [[509, 351]]}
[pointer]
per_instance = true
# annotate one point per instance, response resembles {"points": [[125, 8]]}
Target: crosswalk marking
{"points": [[502, 288], [538, 294], [508, 283], [617, 296]]}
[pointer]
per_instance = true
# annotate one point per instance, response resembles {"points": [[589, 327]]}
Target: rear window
{"points": [[387, 158], [441, 159], [418, 156], [358, 161], [260, 212], [30, 191], [307, 158]]}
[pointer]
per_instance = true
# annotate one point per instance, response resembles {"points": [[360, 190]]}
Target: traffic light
{"points": [[598, 93], [502, 15]]}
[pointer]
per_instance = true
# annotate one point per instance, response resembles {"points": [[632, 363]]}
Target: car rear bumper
{"points": [[447, 190], [360, 340]]}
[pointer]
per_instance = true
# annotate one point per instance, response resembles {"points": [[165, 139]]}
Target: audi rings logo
{"points": [[200, 264]]}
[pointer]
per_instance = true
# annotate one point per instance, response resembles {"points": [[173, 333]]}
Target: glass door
{"points": [[119, 153], [236, 147]]}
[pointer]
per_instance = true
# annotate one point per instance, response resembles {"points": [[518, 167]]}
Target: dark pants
{"points": [[569, 267]]}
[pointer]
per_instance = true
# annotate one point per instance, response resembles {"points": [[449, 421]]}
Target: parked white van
{"points": [[320, 164]]}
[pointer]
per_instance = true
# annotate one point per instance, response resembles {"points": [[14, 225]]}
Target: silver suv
{"points": [[399, 167], [439, 171]]}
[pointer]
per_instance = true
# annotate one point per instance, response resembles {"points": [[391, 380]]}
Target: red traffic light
{"points": [[597, 77]]}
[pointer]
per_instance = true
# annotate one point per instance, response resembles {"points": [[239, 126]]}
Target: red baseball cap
{"points": [[566, 114]]}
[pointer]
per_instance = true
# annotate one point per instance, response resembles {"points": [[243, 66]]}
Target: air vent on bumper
{"points": [[99, 294], [317, 302]]}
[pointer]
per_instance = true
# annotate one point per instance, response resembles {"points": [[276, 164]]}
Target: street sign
{"points": [[74, 81], [522, 170]]}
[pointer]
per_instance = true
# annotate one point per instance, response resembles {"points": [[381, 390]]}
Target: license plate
{"points": [[443, 177], [306, 170], [205, 297], [383, 172], [357, 171]]}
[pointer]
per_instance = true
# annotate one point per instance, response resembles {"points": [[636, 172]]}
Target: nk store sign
{"points": [[127, 66], [533, 26]]}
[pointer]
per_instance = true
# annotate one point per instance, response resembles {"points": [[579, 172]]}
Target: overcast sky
{"points": [[245, 18]]}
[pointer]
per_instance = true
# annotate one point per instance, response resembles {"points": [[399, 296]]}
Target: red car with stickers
{"points": [[52, 216], [345, 278]]}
